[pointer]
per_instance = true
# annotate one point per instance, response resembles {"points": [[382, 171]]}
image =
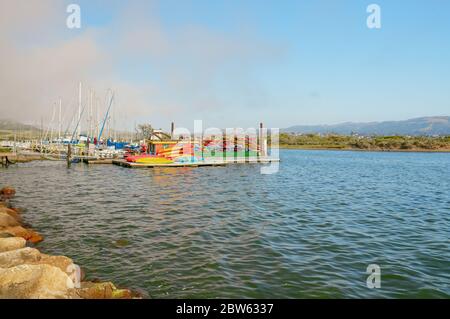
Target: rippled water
{"points": [[310, 230]]}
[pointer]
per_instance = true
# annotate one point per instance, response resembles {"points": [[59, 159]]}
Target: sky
{"points": [[229, 63]]}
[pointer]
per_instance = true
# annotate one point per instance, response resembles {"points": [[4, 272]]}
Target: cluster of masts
{"points": [[86, 122]]}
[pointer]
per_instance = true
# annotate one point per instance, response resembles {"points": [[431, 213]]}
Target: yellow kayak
{"points": [[154, 160]]}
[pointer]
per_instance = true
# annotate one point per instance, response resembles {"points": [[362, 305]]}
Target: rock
{"points": [[121, 243], [11, 212], [7, 192], [34, 282], [19, 256], [14, 215], [103, 290], [5, 235], [62, 262], [7, 221], [19, 231], [16, 255], [17, 210], [12, 243]]}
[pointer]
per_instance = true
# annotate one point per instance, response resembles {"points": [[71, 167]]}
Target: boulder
{"points": [[62, 262], [102, 290], [12, 243], [14, 213], [17, 210], [19, 256], [16, 255], [5, 235], [19, 231], [7, 221], [7, 192], [34, 282]]}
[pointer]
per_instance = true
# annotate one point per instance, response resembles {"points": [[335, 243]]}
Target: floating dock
{"points": [[216, 162], [98, 161]]}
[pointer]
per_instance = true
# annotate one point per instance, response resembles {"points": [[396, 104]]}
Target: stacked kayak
{"points": [[153, 160], [171, 152], [174, 154], [148, 159], [134, 158]]}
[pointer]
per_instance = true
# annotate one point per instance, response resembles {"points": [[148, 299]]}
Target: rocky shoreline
{"points": [[26, 273]]}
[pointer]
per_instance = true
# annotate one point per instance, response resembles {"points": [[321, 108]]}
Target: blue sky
{"points": [[282, 62]]}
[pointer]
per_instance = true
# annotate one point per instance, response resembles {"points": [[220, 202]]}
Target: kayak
{"points": [[137, 157], [153, 160]]}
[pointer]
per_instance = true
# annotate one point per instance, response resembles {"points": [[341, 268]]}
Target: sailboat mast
{"points": [[52, 124], [59, 125], [91, 118], [79, 110], [97, 117], [114, 135], [89, 122]]}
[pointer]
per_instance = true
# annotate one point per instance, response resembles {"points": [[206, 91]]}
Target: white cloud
{"points": [[41, 61]]}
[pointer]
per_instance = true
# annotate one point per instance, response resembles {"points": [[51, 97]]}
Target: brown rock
{"points": [[19, 256], [19, 231], [7, 221], [17, 210], [5, 235], [103, 290], [16, 255], [12, 212], [7, 192], [62, 262], [34, 282], [12, 243], [14, 215]]}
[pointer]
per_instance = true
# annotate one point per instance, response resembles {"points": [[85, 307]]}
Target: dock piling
{"points": [[69, 154]]}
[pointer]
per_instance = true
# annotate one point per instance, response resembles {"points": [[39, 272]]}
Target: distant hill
{"points": [[436, 125], [9, 125]]}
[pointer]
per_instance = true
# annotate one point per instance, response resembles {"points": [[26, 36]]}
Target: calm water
{"points": [[309, 231]]}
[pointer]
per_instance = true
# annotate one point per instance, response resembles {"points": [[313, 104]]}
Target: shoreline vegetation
{"points": [[26, 273], [365, 143]]}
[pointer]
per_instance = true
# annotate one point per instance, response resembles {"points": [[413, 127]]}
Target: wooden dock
{"points": [[124, 163], [98, 161]]}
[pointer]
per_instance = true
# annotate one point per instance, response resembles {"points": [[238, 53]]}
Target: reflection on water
{"points": [[309, 231]]}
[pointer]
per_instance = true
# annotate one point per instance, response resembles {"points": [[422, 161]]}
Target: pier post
{"points": [[224, 146], [4, 160], [235, 147], [69, 154], [259, 141]]}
